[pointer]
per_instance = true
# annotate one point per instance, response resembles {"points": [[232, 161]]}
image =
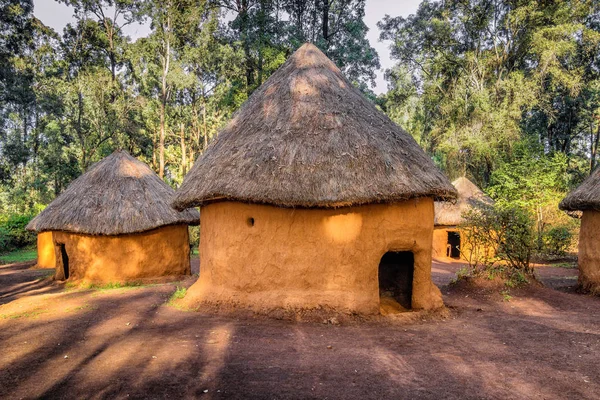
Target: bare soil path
{"points": [[61, 343]]}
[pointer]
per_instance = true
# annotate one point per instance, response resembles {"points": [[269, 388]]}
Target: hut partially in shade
{"points": [[449, 215], [584, 201], [114, 224], [312, 197]]}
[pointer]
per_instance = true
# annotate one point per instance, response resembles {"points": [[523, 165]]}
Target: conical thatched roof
{"points": [[469, 196], [585, 197], [117, 195], [308, 138]]}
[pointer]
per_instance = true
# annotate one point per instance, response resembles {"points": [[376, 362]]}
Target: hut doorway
{"points": [[453, 249], [396, 270], [62, 266]]}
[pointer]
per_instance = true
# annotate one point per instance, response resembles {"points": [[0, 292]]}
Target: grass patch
{"points": [[567, 265], [106, 286], [84, 307], [26, 314], [506, 295], [18, 256], [179, 293]]}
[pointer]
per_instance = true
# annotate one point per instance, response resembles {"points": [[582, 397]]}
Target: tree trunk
{"points": [[183, 150], [204, 124], [161, 142], [325, 22], [164, 95]]}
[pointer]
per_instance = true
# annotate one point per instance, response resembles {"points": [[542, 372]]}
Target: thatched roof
{"points": [[118, 195], [308, 138], [469, 197], [585, 197]]}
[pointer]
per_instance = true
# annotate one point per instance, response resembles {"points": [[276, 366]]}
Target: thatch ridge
{"points": [[308, 138], [469, 197], [117, 195], [585, 197]]}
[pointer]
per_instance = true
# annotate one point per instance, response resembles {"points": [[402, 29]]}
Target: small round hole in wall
{"points": [[250, 221]]}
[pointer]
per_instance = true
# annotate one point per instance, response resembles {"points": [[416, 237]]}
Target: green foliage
{"points": [[13, 234], [476, 77], [70, 98], [194, 235], [516, 236], [502, 233], [557, 240], [179, 293]]}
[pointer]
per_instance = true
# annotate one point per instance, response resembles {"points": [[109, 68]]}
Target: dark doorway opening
{"points": [[64, 260], [396, 270], [453, 245]]}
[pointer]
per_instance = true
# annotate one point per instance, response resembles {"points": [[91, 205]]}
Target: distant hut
{"points": [[312, 197], [585, 202], [115, 223], [449, 216]]}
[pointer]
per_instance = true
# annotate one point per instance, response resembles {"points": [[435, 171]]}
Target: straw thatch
{"points": [[469, 197], [585, 197], [308, 138], [118, 195]]}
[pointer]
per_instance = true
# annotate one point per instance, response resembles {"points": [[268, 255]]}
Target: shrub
{"points": [[558, 240], [499, 233], [13, 234]]}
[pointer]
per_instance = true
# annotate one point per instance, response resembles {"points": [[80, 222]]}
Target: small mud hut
{"points": [[114, 224], [312, 197], [584, 202], [449, 216]]}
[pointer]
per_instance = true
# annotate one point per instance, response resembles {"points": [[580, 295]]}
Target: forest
{"points": [[505, 92]]}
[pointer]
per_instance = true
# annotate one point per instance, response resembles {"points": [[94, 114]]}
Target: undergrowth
{"points": [[179, 293]]}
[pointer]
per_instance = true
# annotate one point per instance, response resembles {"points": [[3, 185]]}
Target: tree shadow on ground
{"points": [[114, 343]]}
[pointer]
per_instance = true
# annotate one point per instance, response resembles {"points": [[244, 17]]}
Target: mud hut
{"points": [[584, 202], [115, 224], [449, 216], [312, 197]]}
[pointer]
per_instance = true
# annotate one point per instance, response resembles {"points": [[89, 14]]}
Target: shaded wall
{"points": [[268, 257], [589, 251], [160, 252], [45, 250]]}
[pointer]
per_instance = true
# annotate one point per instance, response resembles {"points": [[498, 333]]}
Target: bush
{"points": [[499, 233], [13, 234], [517, 237], [558, 240]]}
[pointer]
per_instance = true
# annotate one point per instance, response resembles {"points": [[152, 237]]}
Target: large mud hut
{"points": [[312, 197], [115, 224], [584, 202], [448, 240]]}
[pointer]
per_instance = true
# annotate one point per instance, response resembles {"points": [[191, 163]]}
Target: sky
{"points": [[57, 16]]}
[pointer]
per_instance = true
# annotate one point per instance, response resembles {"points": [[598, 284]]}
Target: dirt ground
{"points": [[57, 342]]}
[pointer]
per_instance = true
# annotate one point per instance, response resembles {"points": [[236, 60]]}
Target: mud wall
{"points": [[440, 242], [589, 251], [160, 252], [45, 250], [269, 257]]}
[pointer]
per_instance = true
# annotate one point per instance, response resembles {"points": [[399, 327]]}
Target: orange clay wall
{"points": [[45, 250], [440, 242], [160, 252], [268, 257], [589, 251]]}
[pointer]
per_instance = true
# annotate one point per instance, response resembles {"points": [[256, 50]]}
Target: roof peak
{"points": [[308, 138]]}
